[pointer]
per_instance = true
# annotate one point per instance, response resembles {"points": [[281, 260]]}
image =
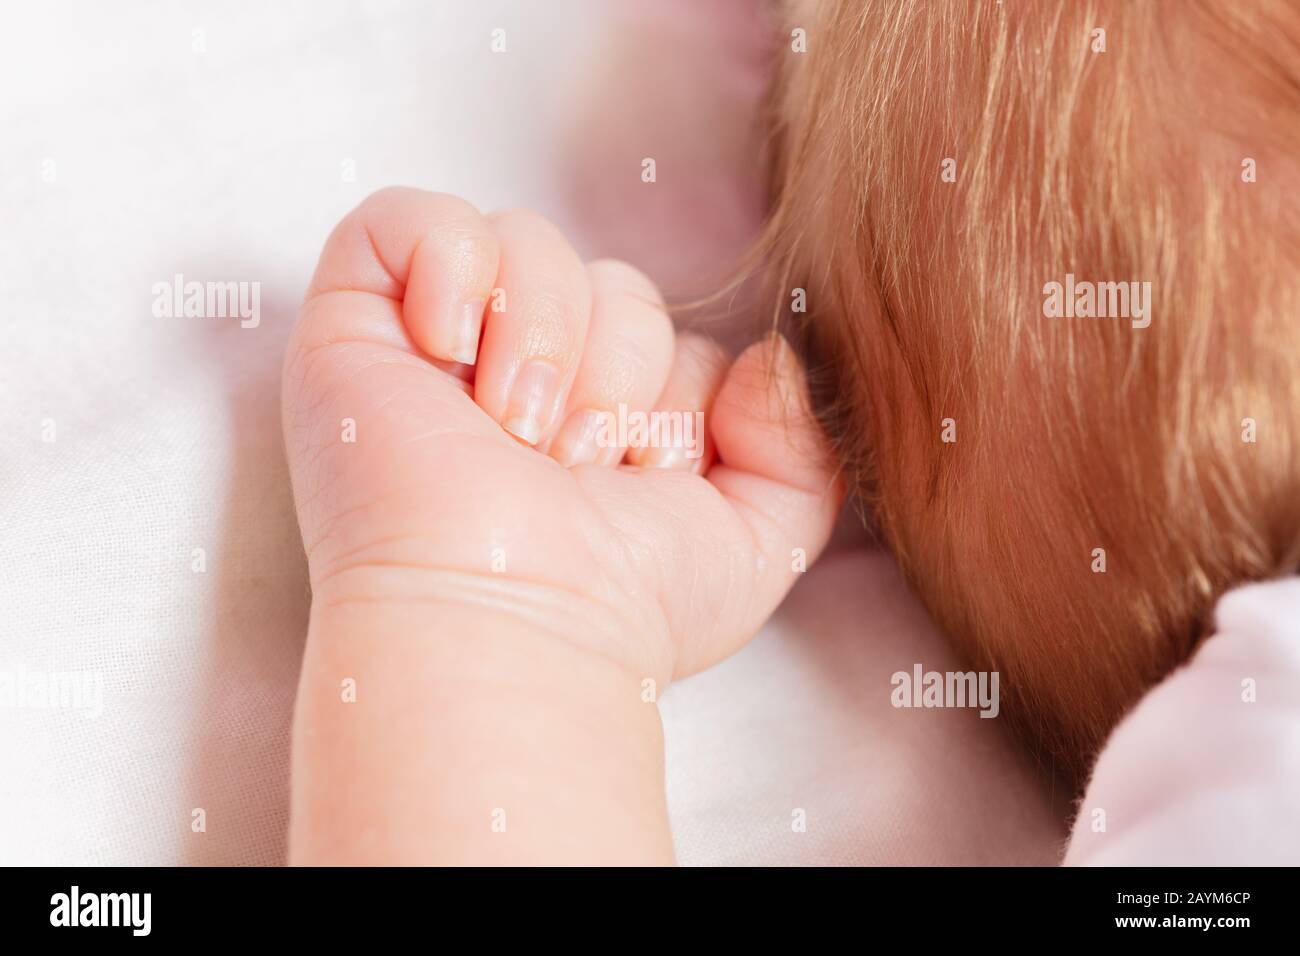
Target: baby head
{"points": [[1049, 258]]}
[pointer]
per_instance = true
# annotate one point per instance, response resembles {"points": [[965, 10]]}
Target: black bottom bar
{"points": [[369, 906]]}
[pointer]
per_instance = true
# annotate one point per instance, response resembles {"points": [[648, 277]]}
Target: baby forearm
{"points": [[469, 736]]}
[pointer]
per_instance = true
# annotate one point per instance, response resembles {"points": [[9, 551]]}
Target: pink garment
{"points": [[1206, 769]]}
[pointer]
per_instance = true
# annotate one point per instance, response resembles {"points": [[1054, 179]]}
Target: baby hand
{"points": [[496, 597], [443, 402]]}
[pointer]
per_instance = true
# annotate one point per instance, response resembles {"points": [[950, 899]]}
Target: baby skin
{"points": [[500, 592]]}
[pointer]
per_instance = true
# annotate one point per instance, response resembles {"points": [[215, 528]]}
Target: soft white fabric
{"points": [[799, 729], [146, 529]]}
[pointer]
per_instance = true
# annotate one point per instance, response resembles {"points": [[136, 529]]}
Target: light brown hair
{"points": [[925, 303]]}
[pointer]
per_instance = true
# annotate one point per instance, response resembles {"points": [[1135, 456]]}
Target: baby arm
{"points": [[478, 736], [504, 579]]}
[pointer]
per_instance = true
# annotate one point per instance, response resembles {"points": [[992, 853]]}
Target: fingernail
{"points": [[664, 457], [531, 405], [468, 325], [577, 443]]}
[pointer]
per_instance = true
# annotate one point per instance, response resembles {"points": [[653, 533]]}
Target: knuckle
{"points": [[618, 276]]}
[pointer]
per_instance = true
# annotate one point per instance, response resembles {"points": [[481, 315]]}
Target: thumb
{"points": [[777, 476]]}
